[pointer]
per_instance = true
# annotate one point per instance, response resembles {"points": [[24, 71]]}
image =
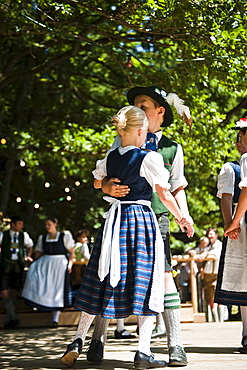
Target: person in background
{"points": [[13, 243], [211, 272], [81, 245], [47, 286], [232, 280], [81, 258]]}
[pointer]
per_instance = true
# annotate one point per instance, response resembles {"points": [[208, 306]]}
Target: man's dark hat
{"points": [[16, 218], [157, 94]]}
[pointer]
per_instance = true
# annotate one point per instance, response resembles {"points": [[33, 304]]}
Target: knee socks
{"points": [[120, 325], [84, 324], [10, 308], [100, 329], [171, 317], [145, 324], [55, 316]]}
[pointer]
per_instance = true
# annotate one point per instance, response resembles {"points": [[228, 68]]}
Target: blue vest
{"points": [[236, 167], [127, 168]]}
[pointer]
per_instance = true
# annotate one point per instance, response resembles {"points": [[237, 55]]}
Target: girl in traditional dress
{"points": [[125, 274]]}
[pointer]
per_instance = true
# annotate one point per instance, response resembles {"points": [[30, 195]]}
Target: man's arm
{"points": [[233, 230], [180, 197]]}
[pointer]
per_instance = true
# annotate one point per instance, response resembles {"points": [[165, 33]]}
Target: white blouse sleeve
{"points": [[68, 240], [226, 180], [177, 177], [39, 245], [243, 166], [153, 170]]}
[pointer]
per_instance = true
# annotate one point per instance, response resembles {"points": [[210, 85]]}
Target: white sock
{"points": [[120, 325], [171, 317], [100, 329], [55, 316], [160, 322], [221, 312], [215, 314], [145, 331], [84, 324], [243, 310]]}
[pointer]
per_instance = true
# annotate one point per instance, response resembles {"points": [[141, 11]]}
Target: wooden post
{"points": [[193, 287]]}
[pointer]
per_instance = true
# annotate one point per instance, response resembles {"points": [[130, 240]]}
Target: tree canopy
{"points": [[65, 70]]}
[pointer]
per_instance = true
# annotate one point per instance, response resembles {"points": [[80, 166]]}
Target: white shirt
{"points": [[152, 168], [176, 175], [226, 180], [68, 241], [211, 267], [243, 167]]}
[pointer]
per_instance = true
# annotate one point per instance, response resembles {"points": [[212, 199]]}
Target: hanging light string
{"points": [[90, 42]]}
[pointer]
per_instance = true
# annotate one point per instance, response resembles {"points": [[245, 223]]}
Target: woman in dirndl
{"points": [[125, 274], [47, 284], [232, 277]]}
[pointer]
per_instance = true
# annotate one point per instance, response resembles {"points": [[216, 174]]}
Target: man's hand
{"points": [[112, 188], [186, 225], [232, 231], [28, 259]]}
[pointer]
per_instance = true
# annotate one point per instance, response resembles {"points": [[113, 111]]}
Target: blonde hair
{"points": [[130, 117]]}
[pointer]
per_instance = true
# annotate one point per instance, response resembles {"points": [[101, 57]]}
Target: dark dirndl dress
{"points": [[137, 250], [223, 296]]}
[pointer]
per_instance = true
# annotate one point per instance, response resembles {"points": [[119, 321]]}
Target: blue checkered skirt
{"points": [[137, 255]]}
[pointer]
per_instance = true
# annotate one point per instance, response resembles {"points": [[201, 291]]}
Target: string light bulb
{"points": [[3, 141], [22, 163], [18, 199], [67, 190], [77, 183], [36, 205], [68, 198], [47, 184]]}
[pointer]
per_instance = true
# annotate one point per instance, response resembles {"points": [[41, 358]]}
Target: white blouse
{"points": [[226, 180], [152, 169], [68, 241], [243, 166]]}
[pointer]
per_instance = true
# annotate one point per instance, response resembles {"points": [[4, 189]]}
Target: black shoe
{"points": [[72, 353], [177, 356], [54, 324], [142, 361], [243, 349], [7, 325], [13, 324], [95, 352], [124, 334]]}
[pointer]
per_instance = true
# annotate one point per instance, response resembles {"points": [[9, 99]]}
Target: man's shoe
{"points": [[177, 356], [14, 324], [157, 332], [72, 353], [124, 334], [95, 352], [243, 349], [142, 361]]}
